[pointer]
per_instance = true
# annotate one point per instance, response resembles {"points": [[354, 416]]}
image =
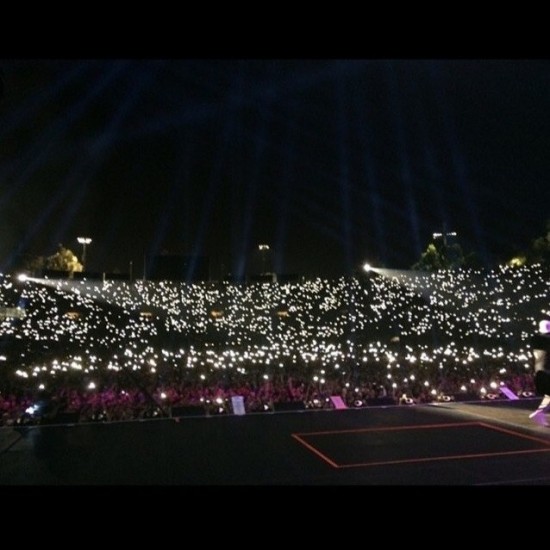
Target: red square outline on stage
{"points": [[300, 438]]}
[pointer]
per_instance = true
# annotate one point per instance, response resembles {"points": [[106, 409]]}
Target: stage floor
{"points": [[483, 443]]}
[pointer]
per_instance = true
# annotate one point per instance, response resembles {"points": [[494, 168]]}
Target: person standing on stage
{"points": [[541, 351]]}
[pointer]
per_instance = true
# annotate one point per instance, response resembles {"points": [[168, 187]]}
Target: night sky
{"points": [[332, 162]]}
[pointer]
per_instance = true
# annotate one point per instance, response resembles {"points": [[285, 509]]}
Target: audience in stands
{"points": [[112, 350]]}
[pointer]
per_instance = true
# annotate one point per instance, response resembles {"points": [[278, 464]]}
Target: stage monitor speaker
{"points": [[380, 401], [466, 397], [188, 410], [289, 406]]}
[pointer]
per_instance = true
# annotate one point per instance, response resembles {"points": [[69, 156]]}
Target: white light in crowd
{"points": [[91, 386], [494, 385], [163, 395], [41, 386]]}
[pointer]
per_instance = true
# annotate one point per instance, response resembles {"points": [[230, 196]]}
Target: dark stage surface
{"points": [[482, 443]]}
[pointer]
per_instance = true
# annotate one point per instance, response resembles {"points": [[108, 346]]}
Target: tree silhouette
{"points": [[63, 260], [538, 251], [441, 256]]}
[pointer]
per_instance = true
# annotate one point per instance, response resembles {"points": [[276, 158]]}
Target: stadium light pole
{"points": [[264, 249], [84, 241], [444, 236]]}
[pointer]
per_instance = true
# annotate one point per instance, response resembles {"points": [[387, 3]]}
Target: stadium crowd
{"points": [[119, 350]]}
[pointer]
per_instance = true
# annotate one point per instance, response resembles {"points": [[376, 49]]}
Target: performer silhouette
{"points": [[541, 351]]}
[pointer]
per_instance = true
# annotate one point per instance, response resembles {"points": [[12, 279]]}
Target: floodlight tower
{"points": [[264, 249], [84, 241], [444, 236]]}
